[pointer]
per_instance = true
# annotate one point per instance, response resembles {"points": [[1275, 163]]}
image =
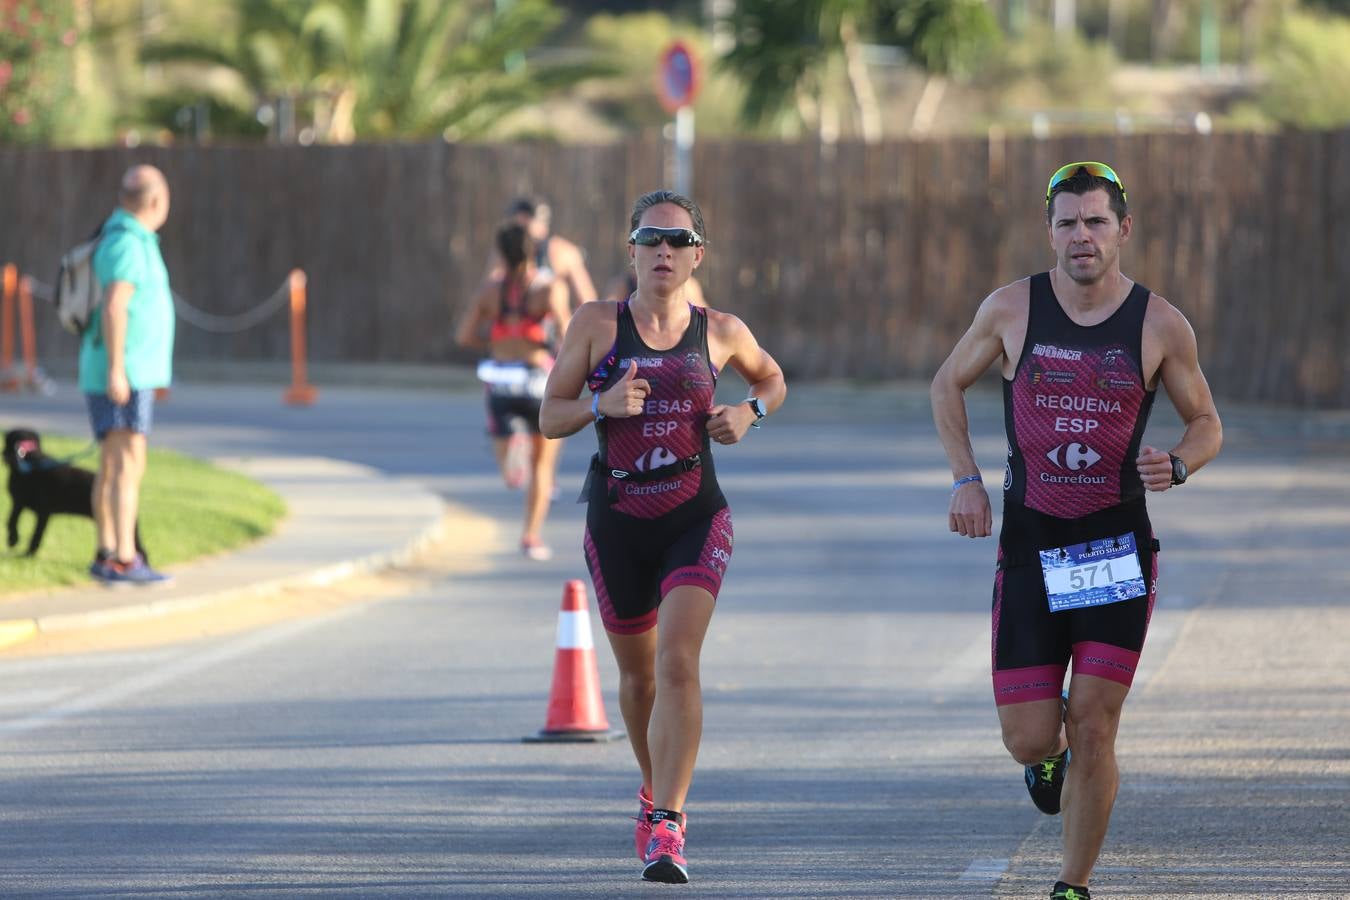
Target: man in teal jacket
{"points": [[126, 353]]}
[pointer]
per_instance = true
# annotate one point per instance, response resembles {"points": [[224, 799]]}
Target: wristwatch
{"points": [[1179, 472], [757, 408]]}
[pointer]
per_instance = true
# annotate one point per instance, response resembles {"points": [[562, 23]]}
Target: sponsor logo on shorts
{"points": [[1107, 663]]}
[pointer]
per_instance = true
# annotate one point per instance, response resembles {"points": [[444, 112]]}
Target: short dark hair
{"points": [[515, 244], [656, 198], [1083, 182], [523, 206]]}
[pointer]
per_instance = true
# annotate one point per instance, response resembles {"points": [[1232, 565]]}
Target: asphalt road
{"points": [[850, 747]]}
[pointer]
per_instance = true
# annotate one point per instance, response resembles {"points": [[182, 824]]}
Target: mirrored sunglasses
{"points": [[651, 236], [1101, 170]]}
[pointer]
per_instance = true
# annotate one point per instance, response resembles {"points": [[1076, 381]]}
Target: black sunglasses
{"points": [[651, 236]]}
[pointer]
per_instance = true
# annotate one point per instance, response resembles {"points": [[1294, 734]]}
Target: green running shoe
{"points": [[1045, 781], [1064, 891]]}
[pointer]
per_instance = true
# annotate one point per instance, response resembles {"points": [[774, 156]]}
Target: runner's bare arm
{"points": [[557, 304], [470, 331], [969, 513], [566, 409], [578, 278], [732, 341], [1179, 372]]}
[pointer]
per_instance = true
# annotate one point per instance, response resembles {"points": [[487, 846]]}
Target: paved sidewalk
{"points": [[343, 518]]}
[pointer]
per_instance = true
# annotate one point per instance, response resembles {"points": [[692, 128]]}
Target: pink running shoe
{"points": [[665, 853], [642, 835]]}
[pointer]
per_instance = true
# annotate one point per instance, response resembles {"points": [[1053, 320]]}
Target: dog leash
{"points": [[49, 463]]}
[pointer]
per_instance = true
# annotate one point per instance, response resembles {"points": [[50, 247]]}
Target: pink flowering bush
{"points": [[37, 61]]}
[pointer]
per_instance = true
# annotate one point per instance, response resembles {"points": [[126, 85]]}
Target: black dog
{"points": [[46, 486]]}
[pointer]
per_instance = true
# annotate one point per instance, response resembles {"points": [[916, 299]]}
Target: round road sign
{"points": [[677, 79]]}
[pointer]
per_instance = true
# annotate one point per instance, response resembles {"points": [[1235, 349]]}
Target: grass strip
{"points": [[189, 509]]}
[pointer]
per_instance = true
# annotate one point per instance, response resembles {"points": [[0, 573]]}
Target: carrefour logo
{"points": [[1073, 456]]}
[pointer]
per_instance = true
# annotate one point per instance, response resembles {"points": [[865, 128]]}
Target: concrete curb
{"points": [[333, 509]]}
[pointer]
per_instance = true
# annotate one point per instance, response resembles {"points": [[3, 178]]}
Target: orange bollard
{"points": [[27, 333], [10, 278], [301, 392], [576, 711]]}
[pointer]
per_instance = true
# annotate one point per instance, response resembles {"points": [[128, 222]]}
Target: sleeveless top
{"points": [[513, 318], [1076, 408], [671, 427], [541, 260]]}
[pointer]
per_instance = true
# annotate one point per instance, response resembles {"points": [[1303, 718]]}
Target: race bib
{"points": [[1093, 573], [512, 379]]}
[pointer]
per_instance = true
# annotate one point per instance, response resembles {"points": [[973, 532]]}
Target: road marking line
{"points": [[35, 697], [167, 673], [984, 869], [964, 668], [62, 664]]}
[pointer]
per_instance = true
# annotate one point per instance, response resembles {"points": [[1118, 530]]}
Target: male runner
{"points": [[554, 255], [1082, 350]]}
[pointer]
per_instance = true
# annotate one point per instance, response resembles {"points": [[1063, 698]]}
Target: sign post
{"points": [[678, 84]]}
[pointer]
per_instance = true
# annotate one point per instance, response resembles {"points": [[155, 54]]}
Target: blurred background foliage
{"points": [[89, 72]]}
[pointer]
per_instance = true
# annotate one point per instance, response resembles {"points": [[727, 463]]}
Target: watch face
{"points": [[1178, 470]]}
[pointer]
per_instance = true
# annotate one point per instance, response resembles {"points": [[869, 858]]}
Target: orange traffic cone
{"points": [[576, 712]]}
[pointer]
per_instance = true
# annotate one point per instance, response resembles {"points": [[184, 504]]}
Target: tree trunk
{"points": [[1066, 17], [929, 101], [1165, 22], [869, 112], [1116, 17]]}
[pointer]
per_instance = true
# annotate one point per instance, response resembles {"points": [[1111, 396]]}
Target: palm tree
{"points": [[785, 50], [429, 67], [384, 68], [945, 37]]}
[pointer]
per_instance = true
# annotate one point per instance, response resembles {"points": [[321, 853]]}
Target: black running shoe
{"points": [[1064, 891], [1045, 782]]}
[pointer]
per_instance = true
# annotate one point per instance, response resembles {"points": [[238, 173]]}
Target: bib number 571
{"points": [[1086, 576]]}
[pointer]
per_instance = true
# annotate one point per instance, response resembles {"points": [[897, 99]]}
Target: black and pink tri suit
{"points": [[1075, 411], [656, 517]]}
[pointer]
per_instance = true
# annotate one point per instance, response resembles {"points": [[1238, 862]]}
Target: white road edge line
{"points": [[965, 668], [169, 672], [984, 869]]}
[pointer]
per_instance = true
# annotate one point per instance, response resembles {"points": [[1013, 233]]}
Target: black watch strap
{"points": [[1179, 471], [757, 408]]}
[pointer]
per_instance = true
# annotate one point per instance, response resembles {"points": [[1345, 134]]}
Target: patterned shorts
{"points": [[136, 414], [635, 563]]}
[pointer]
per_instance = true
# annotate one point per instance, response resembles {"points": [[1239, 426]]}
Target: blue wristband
{"points": [[595, 407], [967, 480]]}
